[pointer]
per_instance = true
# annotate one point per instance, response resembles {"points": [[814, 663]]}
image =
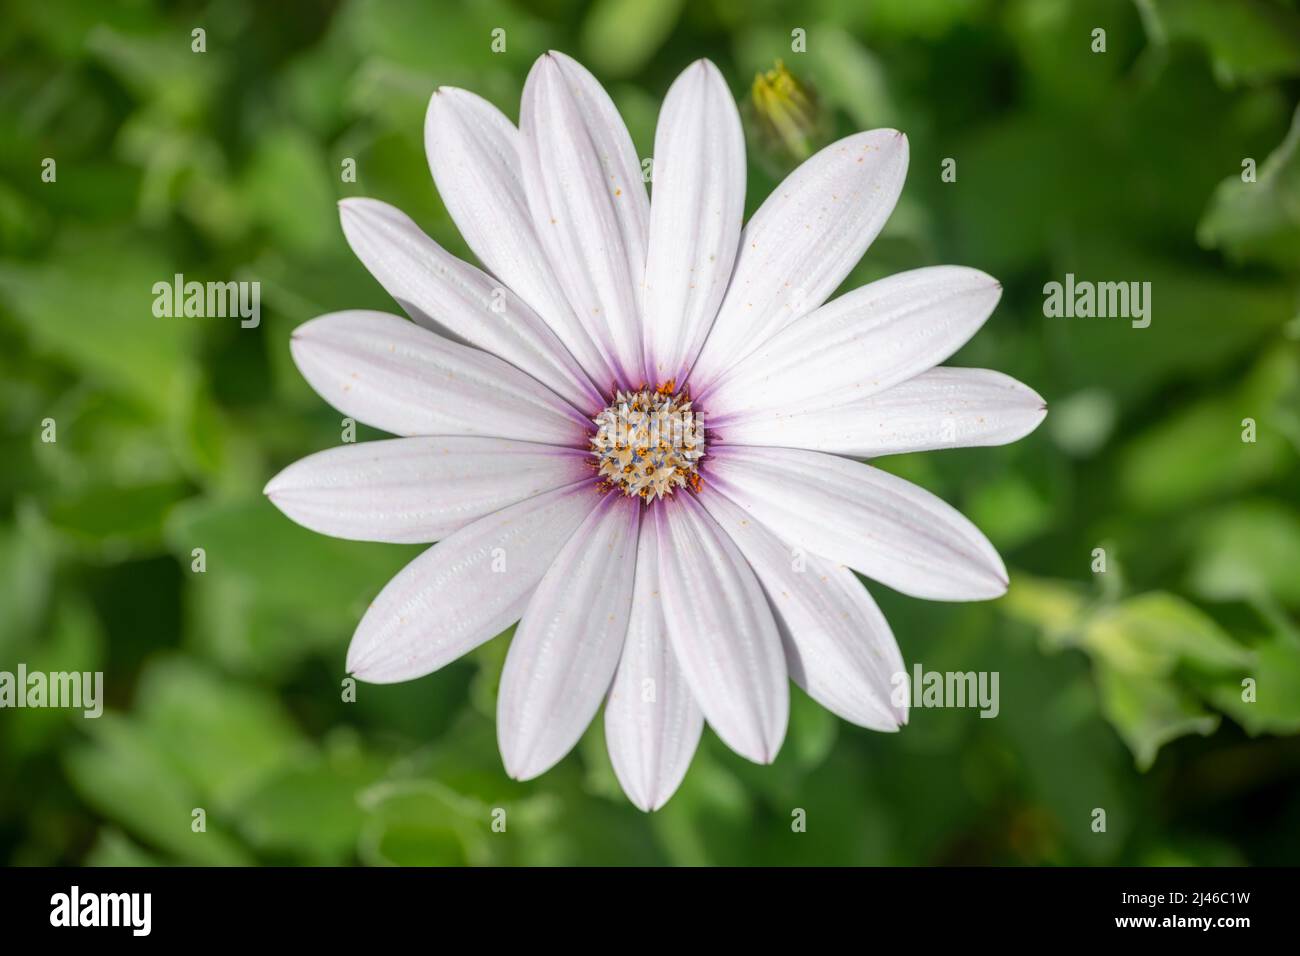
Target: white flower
{"points": [[727, 570]]}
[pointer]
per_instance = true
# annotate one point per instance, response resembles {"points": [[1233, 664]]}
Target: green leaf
{"points": [[708, 817], [224, 737], [309, 809], [1056, 608], [1246, 551], [1248, 40], [812, 732], [114, 848], [853, 78], [1273, 704], [451, 43], [927, 19], [1154, 657], [1259, 220], [598, 775], [1198, 451], [1149, 713], [1054, 41], [1083, 422], [1155, 633], [304, 582], [26, 567], [74, 643], [1009, 509], [161, 67], [105, 441], [422, 823], [124, 775], [102, 325], [289, 188], [620, 36], [1067, 754], [115, 521]]}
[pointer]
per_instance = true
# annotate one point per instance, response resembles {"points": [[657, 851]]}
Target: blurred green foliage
{"points": [[1121, 690]]}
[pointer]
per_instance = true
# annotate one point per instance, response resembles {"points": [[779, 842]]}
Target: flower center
{"points": [[648, 443]]}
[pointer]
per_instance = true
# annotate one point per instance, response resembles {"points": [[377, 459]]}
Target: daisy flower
{"points": [[636, 429]]}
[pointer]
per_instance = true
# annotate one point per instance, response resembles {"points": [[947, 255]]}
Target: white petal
{"points": [[474, 155], [803, 241], [414, 490], [942, 408], [652, 722], [466, 589], [860, 344], [696, 208], [850, 513], [838, 646], [443, 293], [589, 205], [721, 630], [567, 646], [392, 374]]}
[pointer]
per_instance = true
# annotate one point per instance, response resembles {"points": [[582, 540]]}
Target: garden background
{"points": [[1120, 690]]}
